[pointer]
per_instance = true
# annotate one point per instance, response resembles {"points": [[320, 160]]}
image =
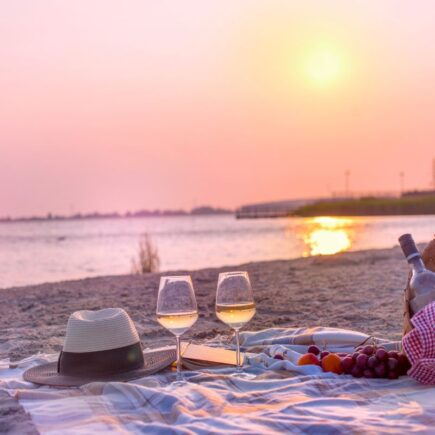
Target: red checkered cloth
{"points": [[419, 345]]}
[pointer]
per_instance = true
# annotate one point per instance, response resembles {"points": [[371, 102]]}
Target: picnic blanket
{"points": [[284, 398]]}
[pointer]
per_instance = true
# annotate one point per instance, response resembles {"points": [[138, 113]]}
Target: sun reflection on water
{"points": [[327, 235]]}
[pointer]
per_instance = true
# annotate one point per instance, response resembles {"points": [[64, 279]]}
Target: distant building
{"points": [[343, 195], [415, 193], [273, 209]]}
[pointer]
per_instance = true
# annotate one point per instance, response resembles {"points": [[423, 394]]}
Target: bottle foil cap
{"points": [[408, 246]]}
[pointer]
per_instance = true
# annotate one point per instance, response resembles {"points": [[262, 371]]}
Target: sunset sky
{"points": [[122, 105]]}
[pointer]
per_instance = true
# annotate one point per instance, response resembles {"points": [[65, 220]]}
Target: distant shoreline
{"points": [[198, 211], [404, 206]]}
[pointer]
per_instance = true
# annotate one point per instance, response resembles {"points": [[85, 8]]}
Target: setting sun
{"points": [[323, 66]]}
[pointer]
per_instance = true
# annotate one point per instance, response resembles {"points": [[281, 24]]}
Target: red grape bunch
{"points": [[375, 362], [367, 361]]}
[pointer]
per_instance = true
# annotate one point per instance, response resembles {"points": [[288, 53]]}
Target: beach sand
{"points": [[356, 290]]}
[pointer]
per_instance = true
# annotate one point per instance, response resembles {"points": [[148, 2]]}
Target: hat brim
{"points": [[47, 374]]}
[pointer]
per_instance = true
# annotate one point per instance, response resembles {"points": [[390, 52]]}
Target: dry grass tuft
{"points": [[148, 259]]}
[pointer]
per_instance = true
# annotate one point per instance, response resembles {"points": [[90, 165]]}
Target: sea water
{"points": [[40, 251]]}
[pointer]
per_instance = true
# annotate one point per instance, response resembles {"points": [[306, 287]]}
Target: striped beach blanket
{"points": [[283, 398]]}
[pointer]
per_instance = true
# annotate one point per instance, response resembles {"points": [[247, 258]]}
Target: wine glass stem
{"points": [[179, 375], [239, 366]]}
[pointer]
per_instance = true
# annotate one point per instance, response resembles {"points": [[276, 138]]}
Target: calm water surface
{"points": [[36, 252]]}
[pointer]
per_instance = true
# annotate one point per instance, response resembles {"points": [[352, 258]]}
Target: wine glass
{"points": [[235, 306], [177, 310]]}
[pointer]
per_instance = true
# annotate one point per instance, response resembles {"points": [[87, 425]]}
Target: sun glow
{"points": [[327, 235], [323, 66], [328, 242]]}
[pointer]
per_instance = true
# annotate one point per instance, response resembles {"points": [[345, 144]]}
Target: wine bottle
{"points": [[422, 283]]}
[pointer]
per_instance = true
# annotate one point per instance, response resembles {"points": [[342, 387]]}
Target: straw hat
{"points": [[100, 346]]}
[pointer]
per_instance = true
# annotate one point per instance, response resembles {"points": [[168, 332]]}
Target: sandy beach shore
{"points": [[358, 290]]}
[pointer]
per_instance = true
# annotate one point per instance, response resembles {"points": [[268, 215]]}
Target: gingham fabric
{"points": [[419, 345]]}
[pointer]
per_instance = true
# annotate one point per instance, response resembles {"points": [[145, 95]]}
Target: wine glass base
{"points": [[178, 383], [243, 375]]}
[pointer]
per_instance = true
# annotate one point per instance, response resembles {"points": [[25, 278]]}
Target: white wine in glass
{"points": [[177, 310], [235, 307], [235, 315], [178, 323]]}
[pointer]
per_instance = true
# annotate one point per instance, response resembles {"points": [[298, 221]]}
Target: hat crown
{"points": [[93, 331]]}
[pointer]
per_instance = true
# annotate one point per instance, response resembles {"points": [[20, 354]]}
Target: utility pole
{"points": [[346, 182], [402, 182]]}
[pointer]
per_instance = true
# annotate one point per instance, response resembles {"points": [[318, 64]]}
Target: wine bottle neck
{"points": [[416, 263]]}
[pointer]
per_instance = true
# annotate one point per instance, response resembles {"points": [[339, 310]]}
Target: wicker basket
{"points": [[428, 256]]}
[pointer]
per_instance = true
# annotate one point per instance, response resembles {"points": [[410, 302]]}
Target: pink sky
{"points": [[121, 105]]}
